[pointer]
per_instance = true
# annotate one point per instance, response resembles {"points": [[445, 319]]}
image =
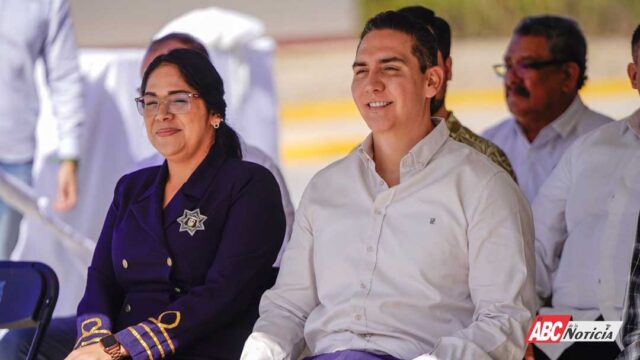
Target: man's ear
{"points": [[435, 78], [632, 71], [571, 72]]}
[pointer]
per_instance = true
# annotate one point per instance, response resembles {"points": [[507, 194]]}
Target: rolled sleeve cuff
{"points": [[69, 148]]}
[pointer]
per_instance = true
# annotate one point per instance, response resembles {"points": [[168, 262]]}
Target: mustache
{"points": [[519, 90]]}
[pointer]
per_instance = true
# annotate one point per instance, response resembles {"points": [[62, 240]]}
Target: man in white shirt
{"points": [[29, 31], [412, 246], [544, 67], [585, 220]]}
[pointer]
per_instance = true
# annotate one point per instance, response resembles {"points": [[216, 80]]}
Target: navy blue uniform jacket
{"points": [[169, 281]]}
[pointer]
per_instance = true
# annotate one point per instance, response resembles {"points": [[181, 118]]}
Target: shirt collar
{"points": [[569, 119], [634, 122], [421, 153]]}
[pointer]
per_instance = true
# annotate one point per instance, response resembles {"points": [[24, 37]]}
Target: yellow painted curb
{"points": [[345, 108]]}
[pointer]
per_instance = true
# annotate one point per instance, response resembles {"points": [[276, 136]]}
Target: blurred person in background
{"points": [[458, 132], [32, 31], [413, 245], [544, 67]]}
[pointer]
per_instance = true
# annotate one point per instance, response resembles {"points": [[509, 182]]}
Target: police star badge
{"points": [[191, 221]]}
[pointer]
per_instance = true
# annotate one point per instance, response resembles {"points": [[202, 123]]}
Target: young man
{"points": [[544, 67], [412, 246]]}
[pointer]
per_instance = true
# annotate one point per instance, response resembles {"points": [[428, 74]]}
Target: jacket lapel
{"points": [[148, 207]]}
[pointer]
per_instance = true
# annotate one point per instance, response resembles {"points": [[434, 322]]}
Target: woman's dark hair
{"points": [[200, 74]]}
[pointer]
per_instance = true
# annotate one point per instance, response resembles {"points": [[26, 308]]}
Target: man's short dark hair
{"points": [[424, 45], [189, 42], [439, 26], [635, 44], [564, 38]]}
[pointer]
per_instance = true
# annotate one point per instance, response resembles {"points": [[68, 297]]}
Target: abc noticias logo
{"points": [[560, 328]]}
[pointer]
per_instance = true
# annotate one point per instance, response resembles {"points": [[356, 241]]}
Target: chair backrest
{"points": [[28, 295]]}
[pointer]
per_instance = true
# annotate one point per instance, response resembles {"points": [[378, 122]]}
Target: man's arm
{"points": [[279, 332], [60, 57], [501, 276], [550, 224]]}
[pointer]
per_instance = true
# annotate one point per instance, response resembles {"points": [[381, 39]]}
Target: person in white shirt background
{"points": [[544, 68], [412, 246], [585, 218], [32, 31]]}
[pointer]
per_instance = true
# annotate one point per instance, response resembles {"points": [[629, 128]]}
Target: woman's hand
{"points": [[89, 352]]}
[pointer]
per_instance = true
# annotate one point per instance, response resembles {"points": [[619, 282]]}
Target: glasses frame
{"points": [[501, 70], [140, 103]]}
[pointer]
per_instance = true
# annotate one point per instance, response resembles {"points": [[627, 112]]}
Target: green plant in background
{"points": [[472, 18]]}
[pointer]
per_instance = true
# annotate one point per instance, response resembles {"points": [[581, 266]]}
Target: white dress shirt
{"points": [[32, 30], [533, 161], [440, 265], [585, 220]]}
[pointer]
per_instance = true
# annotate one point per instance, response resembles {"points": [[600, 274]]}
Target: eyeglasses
{"points": [[178, 103], [522, 68]]}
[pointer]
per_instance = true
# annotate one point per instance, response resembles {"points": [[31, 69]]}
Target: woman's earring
{"points": [[216, 125]]}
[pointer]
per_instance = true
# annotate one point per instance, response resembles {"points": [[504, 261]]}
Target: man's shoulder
{"points": [[468, 160], [503, 128], [591, 119], [606, 133]]}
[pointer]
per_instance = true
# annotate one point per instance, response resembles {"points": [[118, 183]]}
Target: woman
{"points": [[187, 247]]}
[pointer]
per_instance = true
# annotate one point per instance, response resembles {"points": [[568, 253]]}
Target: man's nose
{"points": [[374, 82]]}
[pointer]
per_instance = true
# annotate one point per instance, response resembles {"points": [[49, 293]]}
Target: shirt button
{"points": [[177, 290], [377, 211], [169, 261], [363, 286], [370, 248], [127, 308], [125, 263], [358, 317]]}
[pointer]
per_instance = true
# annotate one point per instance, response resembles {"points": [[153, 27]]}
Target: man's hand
{"points": [[89, 352], [67, 186]]}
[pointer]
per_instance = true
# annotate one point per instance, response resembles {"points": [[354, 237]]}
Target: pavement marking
{"points": [[345, 108]]}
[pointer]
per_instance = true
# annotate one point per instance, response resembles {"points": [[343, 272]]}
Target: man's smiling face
{"points": [[388, 87]]}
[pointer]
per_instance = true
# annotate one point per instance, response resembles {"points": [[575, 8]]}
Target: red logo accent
{"points": [[548, 328]]}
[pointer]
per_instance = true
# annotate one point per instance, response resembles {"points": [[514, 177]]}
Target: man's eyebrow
{"points": [[358, 63], [392, 59], [382, 61]]}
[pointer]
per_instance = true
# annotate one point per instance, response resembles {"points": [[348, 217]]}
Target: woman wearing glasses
{"points": [[187, 247]]}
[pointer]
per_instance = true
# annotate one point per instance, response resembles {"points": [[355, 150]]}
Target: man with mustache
{"points": [[458, 132], [544, 67]]}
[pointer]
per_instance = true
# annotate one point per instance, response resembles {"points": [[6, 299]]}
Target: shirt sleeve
{"points": [[103, 296], [60, 57], [251, 238], [501, 276], [550, 224], [279, 332]]}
